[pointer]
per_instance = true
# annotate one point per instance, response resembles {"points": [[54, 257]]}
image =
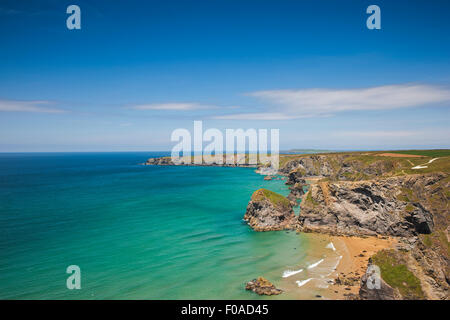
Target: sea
{"points": [[143, 232]]}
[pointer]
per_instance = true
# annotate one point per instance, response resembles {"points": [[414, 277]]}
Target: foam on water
{"points": [[303, 282], [315, 264], [289, 273], [331, 246]]}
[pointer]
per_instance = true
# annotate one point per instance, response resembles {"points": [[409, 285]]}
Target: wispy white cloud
{"points": [[180, 106], [27, 106], [253, 116], [303, 103]]}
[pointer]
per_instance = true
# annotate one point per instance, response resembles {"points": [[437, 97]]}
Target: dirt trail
{"points": [[423, 166]]}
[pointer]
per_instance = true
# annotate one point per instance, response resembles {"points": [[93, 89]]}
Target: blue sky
{"points": [[137, 70]]}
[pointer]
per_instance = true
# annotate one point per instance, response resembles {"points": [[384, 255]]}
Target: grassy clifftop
{"points": [[396, 274], [275, 198]]}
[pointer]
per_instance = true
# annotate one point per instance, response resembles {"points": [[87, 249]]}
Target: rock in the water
{"points": [[269, 211], [296, 176], [297, 191], [262, 286], [268, 177]]}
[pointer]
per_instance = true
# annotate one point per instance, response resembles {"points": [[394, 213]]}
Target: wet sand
{"points": [[331, 257]]}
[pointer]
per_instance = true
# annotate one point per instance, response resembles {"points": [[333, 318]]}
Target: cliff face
{"points": [[313, 165], [371, 207], [342, 167], [268, 211]]}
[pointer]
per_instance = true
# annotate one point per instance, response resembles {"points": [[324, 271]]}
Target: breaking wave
{"points": [[331, 246], [289, 273], [315, 264], [303, 282]]}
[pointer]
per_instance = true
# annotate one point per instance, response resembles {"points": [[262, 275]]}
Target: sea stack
{"points": [[270, 211]]}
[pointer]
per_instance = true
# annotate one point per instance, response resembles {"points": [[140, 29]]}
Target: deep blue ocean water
{"points": [[136, 232]]}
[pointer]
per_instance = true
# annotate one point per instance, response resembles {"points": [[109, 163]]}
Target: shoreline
{"points": [[331, 258], [356, 252]]}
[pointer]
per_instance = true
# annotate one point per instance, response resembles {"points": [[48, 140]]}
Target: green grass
{"points": [[310, 199], [273, 197], [426, 238], [406, 195], [438, 241], [443, 242], [301, 171], [395, 273]]}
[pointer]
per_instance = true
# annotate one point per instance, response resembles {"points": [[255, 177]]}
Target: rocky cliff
{"points": [[268, 211], [342, 167], [372, 207]]}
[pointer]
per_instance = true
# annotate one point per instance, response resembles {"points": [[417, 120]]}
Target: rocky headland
{"points": [[238, 160]]}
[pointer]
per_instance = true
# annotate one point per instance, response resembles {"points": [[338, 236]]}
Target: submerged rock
{"points": [[269, 211], [262, 286]]}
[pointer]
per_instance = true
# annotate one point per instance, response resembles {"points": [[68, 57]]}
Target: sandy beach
{"points": [[355, 252], [333, 269]]}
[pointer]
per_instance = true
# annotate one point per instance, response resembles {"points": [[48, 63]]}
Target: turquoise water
{"points": [[136, 232]]}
